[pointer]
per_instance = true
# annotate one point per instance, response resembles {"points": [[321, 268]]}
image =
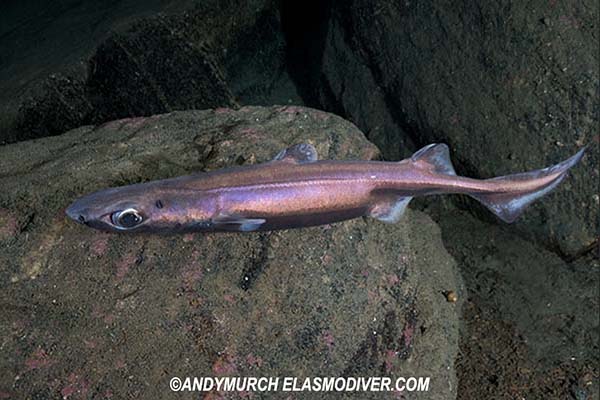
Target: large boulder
{"points": [[43, 70], [510, 86], [134, 60], [90, 314]]}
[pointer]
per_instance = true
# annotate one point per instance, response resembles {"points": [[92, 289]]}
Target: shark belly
{"points": [[296, 205]]}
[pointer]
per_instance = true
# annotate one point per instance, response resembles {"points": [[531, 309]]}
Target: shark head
{"points": [[115, 209], [140, 208]]}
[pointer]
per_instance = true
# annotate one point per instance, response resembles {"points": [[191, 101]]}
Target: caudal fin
{"points": [[508, 205]]}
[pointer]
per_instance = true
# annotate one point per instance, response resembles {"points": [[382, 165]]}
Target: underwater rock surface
{"points": [[93, 314], [87, 63], [509, 86]]}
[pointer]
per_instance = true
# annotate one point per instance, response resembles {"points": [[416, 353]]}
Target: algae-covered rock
{"points": [[96, 315]]}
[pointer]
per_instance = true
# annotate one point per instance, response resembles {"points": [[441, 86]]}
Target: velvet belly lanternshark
{"points": [[296, 190]]}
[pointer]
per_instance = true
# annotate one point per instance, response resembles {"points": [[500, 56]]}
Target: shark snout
{"points": [[77, 213]]}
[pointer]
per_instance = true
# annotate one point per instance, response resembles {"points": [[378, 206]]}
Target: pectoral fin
{"points": [[237, 223], [390, 210], [298, 154]]}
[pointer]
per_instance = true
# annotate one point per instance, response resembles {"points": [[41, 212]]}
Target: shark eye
{"points": [[126, 219]]}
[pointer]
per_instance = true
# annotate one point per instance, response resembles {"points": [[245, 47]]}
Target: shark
{"points": [[296, 190]]}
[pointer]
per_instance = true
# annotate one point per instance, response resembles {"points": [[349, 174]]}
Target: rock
{"points": [[94, 313], [553, 303], [139, 60], [506, 92], [43, 60], [154, 67], [256, 65], [530, 316]]}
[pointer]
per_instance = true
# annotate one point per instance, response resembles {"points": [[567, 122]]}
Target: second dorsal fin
{"points": [[298, 154], [435, 156]]}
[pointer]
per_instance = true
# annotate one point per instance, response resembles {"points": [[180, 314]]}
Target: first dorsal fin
{"points": [[435, 156], [298, 154]]}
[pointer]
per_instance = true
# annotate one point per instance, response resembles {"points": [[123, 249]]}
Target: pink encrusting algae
{"points": [[9, 225], [99, 245], [124, 264], [77, 387], [225, 364], [328, 340], [38, 359]]}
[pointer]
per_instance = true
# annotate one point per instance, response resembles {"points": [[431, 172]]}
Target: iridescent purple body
{"points": [[295, 190]]}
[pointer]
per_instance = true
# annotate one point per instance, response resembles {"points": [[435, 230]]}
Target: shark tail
{"points": [[508, 205]]}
